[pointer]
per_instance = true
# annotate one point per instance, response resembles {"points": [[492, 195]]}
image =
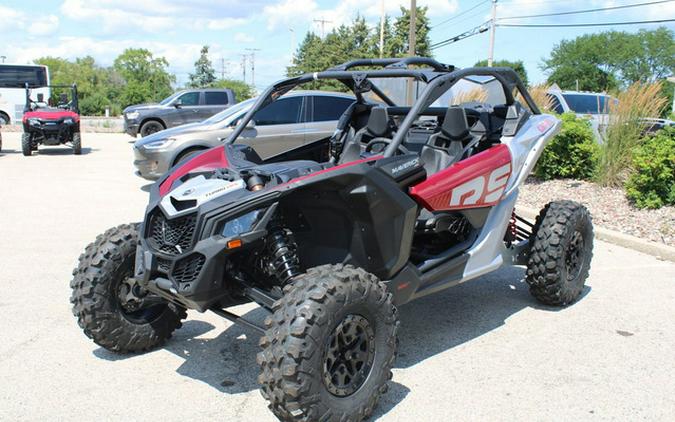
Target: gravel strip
{"points": [[608, 206]]}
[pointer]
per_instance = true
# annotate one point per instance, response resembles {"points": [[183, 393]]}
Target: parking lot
{"points": [[482, 351]]}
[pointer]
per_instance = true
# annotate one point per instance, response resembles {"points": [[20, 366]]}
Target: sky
{"points": [[176, 29]]}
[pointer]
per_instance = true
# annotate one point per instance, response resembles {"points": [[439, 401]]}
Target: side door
{"points": [[190, 107], [214, 102], [278, 127], [323, 116]]}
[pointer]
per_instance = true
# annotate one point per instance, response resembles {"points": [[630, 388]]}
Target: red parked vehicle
{"points": [[46, 124]]}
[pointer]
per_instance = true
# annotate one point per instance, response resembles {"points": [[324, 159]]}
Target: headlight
{"points": [[241, 224], [34, 122], [132, 115], [68, 121], [161, 143]]}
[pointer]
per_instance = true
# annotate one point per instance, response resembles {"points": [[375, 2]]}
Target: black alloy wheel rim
{"points": [[574, 256], [349, 356], [133, 300]]}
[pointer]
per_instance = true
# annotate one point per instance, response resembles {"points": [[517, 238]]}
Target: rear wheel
{"points": [[560, 253], [4, 119], [329, 346], [150, 127], [77, 143], [26, 144], [111, 308]]}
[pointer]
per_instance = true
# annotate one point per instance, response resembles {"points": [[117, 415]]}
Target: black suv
{"points": [[182, 107]]}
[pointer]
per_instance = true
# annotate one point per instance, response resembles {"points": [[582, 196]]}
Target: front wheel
{"points": [[560, 253], [150, 127], [77, 143], [111, 308], [329, 346], [26, 144]]}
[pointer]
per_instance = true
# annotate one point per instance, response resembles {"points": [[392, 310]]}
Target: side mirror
{"points": [[250, 124], [178, 104]]}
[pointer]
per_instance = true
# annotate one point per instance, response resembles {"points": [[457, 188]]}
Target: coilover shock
{"points": [[282, 257]]}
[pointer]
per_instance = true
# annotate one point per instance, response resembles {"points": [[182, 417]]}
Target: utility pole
{"points": [[3, 58], [381, 28], [323, 22], [243, 66], [253, 50], [412, 42], [412, 34], [292, 45], [222, 68], [493, 25]]}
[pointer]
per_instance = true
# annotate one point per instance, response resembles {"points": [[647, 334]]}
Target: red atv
{"points": [[46, 124]]}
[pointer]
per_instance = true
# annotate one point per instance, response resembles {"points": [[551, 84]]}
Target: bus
{"points": [[13, 80]]}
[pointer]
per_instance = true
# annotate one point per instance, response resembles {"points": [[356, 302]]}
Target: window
{"points": [[216, 98], [555, 104], [281, 112], [189, 99], [17, 76], [587, 103], [327, 108]]}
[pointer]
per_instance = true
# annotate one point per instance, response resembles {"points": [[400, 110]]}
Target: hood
{"points": [[50, 114], [171, 132], [137, 107]]}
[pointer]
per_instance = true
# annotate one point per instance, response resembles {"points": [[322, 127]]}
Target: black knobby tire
{"points": [[560, 253], [150, 127], [4, 119], [105, 264], [26, 144], [77, 143], [301, 332]]}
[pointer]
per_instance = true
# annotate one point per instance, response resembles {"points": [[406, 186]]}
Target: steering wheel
{"points": [[384, 141]]}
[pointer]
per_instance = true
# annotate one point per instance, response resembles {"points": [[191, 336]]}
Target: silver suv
{"points": [[297, 119]]}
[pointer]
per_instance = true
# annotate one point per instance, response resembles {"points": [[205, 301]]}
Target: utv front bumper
{"points": [[192, 275]]}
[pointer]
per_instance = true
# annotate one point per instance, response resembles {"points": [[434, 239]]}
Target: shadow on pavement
{"points": [[429, 326]]}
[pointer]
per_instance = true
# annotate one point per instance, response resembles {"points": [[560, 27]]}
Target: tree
{"points": [[146, 77], [204, 74], [517, 65], [398, 43], [358, 40], [242, 90], [611, 60]]}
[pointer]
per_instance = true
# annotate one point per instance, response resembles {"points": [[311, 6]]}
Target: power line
{"points": [[484, 27], [461, 14], [570, 25], [575, 12]]}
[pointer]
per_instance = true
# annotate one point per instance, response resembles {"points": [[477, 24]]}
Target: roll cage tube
{"points": [[74, 101], [436, 88], [438, 82]]}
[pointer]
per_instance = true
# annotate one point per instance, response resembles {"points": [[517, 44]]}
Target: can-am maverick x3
{"points": [[401, 202]]}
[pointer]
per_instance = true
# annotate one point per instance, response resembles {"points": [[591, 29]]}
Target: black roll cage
{"points": [[439, 79], [74, 100]]}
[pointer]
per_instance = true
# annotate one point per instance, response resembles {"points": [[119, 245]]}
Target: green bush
{"points": [[652, 183], [573, 153], [94, 105]]}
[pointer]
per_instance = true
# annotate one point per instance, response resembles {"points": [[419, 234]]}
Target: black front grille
{"points": [[172, 236], [163, 265], [187, 269]]}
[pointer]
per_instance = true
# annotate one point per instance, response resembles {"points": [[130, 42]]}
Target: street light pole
{"points": [[493, 25]]}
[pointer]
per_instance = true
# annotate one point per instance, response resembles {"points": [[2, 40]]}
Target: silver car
{"points": [[297, 119]]}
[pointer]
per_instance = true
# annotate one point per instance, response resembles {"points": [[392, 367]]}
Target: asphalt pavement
{"points": [[484, 350]]}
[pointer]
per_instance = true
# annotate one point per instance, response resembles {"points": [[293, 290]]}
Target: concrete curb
{"points": [[627, 241]]}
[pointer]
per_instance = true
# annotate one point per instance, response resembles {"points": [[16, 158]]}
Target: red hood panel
{"points": [[50, 115], [211, 159]]}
